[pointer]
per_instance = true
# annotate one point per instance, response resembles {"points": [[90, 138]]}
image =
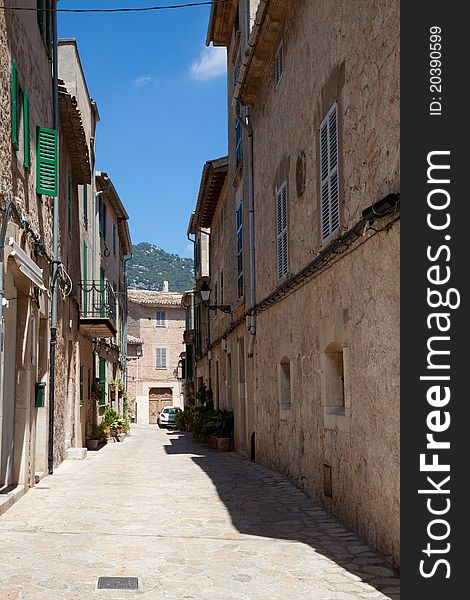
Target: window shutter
{"points": [[85, 278], [104, 221], [27, 153], [46, 177], [85, 202], [49, 32], [282, 236], [40, 14], [102, 379], [161, 358], [329, 174], [14, 105], [279, 64], [81, 384]]}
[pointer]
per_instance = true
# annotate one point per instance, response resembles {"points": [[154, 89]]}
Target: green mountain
{"points": [[150, 266]]}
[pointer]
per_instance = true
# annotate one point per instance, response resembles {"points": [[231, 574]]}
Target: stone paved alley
{"points": [[189, 522]]}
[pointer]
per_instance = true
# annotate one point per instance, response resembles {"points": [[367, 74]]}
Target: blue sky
{"points": [[163, 103]]}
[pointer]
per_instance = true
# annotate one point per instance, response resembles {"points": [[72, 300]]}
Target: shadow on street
{"points": [[264, 503]]}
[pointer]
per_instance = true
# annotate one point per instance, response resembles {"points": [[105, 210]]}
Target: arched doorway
{"points": [[158, 398]]}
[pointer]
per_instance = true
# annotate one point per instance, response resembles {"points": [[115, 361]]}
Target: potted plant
{"points": [[224, 430], [96, 436], [109, 417], [116, 384], [119, 427]]}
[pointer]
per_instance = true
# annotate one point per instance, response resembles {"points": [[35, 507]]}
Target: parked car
{"points": [[166, 417]]}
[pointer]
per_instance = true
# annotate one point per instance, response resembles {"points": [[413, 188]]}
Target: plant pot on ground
{"points": [[224, 430], [224, 444], [97, 435]]}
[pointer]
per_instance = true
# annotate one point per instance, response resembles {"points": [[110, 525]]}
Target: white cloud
{"points": [[142, 81], [212, 63]]}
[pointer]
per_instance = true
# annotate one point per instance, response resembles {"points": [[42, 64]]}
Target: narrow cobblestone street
{"points": [[189, 522]]}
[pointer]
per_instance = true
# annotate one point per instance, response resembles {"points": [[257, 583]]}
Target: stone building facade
{"points": [[155, 324], [35, 172], [317, 88], [26, 250]]}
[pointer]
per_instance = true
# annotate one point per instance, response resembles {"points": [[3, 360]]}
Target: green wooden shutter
{"points": [[47, 159], [102, 379], [85, 277], [49, 32], [40, 14], [27, 157], [189, 361], [14, 106], [81, 383], [85, 203]]}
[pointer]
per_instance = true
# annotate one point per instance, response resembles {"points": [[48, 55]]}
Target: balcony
{"points": [[97, 309]]}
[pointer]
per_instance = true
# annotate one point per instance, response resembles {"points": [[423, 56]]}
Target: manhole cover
{"points": [[118, 583]]}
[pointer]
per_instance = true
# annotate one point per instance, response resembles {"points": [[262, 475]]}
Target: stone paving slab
{"points": [[189, 522]]}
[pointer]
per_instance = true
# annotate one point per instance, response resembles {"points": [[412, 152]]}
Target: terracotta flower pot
{"points": [[92, 444], [224, 444]]}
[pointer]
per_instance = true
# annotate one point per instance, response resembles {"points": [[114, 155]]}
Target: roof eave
{"points": [[262, 44], [212, 182], [220, 19]]}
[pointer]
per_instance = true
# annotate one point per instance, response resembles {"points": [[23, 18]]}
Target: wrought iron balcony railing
{"points": [[97, 308]]}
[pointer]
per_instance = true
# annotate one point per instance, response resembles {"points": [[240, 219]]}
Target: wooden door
{"points": [[154, 409], [159, 398]]}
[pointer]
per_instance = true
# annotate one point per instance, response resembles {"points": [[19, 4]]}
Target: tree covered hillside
{"points": [[150, 266]]}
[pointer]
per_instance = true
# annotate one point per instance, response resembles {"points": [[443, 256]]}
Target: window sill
{"points": [[337, 418]]}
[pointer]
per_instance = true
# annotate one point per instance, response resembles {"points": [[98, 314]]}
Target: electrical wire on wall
{"points": [[348, 242]]}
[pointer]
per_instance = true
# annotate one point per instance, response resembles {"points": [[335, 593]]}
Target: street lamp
{"points": [[205, 293]]}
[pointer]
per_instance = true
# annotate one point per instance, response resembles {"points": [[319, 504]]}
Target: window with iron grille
{"points": [[282, 238], [161, 318], [329, 176], [279, 64], [160, 358], [239, 214]]}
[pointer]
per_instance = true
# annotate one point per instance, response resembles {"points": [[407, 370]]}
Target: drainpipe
{"points": [[55, 251], [246, 123], [251, 223]]}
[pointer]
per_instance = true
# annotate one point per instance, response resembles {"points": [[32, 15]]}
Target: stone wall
{"points": [[344, 52], [24, 427]]}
